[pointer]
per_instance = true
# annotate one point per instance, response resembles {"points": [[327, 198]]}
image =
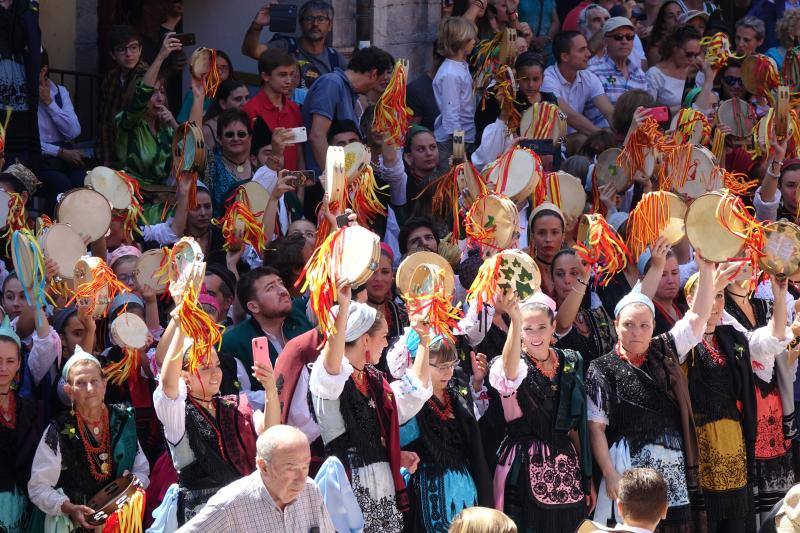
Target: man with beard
{"points": [[313, 56], [272, 313], [220, 283], [418, 234]]}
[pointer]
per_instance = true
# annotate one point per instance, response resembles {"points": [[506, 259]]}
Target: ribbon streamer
{"points": [[603, 249], [317, 278], [646, 222], [127, 367], [198, 326], [544, 117], [484, 287], [751, 230], [36, 296], [718, 50], [391, 112], [102, 278], [241, 226], [364, 199]]}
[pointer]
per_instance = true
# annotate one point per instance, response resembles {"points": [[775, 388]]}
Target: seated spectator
{"points": [[573, 84], [788, 30], [590, 24], [225, 69], [146, 126], [279, 496], [232, 94], [312, 54], [696, 19], [666, 21], [231, 162], [452, 86], [750, 32], [680, 50], [117, 87], [62, 165], [616, 71], [272, 103]]}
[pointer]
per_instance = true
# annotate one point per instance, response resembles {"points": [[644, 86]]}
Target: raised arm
{"points": [[334, 349], [700, 310], [251, 47], [778, 320], [565, 317], [196, 114], [169, 45], [421, 368], [265, 374], [658, 260], [512, 349], [173, 363]]}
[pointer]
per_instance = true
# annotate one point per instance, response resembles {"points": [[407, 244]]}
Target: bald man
{"points": [[276, 498]]}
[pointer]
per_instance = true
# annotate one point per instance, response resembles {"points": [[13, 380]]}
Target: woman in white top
{"points": [[679, 50], [359, 411]]}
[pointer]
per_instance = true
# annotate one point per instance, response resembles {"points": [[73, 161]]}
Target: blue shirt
{"points": [[332, 96], [614, 84]]}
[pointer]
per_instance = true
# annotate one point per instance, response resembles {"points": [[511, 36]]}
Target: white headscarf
{"points": [[360, 318]]}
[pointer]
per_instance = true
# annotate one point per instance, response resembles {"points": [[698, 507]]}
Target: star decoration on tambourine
{"points": [[516, 275]]}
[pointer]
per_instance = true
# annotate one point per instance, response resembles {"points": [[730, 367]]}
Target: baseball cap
{"points": [[683, 18], [616, 22]]}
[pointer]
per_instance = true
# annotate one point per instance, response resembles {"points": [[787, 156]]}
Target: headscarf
{"points": [[78, 356], [541, 298], [121, 252], [634, 297], [7, 331], [125, 298], [360, 318]]}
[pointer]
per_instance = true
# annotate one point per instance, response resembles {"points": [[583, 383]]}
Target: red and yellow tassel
{"points": [[603, 249], [364, 199], [436, 307], [316, 277], [718, 50], [198, 326], [391, 112], [687, 122], [212, 80], [127, 367], [134, 213], [752, 231], [241, 226], [545, 116], [646, 137], [646, 222], [102, 278], [484, 287]]}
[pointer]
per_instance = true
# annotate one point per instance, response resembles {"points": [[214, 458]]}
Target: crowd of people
{"points": [[655, 395]]}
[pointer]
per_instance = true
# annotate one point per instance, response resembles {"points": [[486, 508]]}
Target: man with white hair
{"points": [[278, 497]]}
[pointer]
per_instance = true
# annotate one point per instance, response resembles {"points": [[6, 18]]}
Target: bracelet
{"points": [[771, 174], [779, 163]]}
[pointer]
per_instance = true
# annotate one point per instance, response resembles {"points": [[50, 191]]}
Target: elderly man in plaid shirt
{"points": [[617, 72], [278, 497]]}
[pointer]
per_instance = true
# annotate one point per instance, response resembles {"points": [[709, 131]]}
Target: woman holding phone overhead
{"points": [[212, 439]]}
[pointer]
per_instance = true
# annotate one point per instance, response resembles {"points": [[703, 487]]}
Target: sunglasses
{"points": [[231, 134], [732, 80], [627, 37]]}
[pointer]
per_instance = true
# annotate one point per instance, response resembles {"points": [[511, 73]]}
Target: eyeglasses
{"points": [[627, 37], [311, 19], [231, 134], [732, 80], [127, 279], [131, 48], [445, 368]]}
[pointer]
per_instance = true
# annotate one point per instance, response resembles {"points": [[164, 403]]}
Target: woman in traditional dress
{"points": [[360, 413], [452, 473], [639, 410], [663, 273], [546, 237], [582, 323], [774, 473], [724, 406], [84, 449], [542, 480], [20, 428], [212, 439]]}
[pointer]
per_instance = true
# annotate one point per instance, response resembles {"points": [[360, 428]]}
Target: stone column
{"points": [[407, 29]]}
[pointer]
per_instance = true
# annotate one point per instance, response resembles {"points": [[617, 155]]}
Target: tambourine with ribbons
{"points": [[428, 295], [640, 153], [515, 174], [64, 246], [489, 55], [765, 128], [152, 269], [607, 170], [203, 66], [242, 224], [657, 214], [760, 76], [122, 192], [781, 253], [690, 126], [16, 215], [509, 270], [329, 263], [601, 247], [717, 50], [690, 171], [543, 120], [563, 190], [392, 114], [96, 285], [492, 222], [29, 265], [119, 506], [504, 89], [130, 333], [335, 183], [362, 188], [87, 211], [718, 226], [188, 156]]}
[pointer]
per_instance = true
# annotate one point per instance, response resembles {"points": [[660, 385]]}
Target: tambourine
{"points": [[407, 267], [493, 221], [738, 115], [185, 256], [152, 269], [356, 158], [782, 249], [759, 74], [518, 272], [335, 177], [87, 211], [690, 126], [782, 112], [606, 171], [470, 183], [515, 174], [257, 196], [188, 149], [459, 147], [129, 331], [428, 279], [201, 62], [566, 191], [543, 120], [356, 254], [706, 233], [64, 246], [658, 214], [110, 184], [599, 245], [5, 201], [84, 273], [702, 177], [112, 498]]}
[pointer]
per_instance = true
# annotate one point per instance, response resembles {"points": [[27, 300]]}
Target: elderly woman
{"points": [[86, 448], [788, 30], [360, 412], [211, 438], [20, 428], [639, 413]]}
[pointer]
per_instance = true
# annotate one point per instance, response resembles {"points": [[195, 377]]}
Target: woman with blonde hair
{"points": [[788, 32], [482, 520]]}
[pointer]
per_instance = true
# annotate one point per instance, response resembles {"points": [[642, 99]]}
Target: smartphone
{"points": [[342, 221], [299, 135], [660, 114], [301, 178], [283, 18], [261, 351], [186, 39]]}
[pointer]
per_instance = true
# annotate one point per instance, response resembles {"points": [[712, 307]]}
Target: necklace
{"points": [[101, 451], [360, 379], [208, 405], [239, 166], [540, 363], [446, 411], [636, 360], [205, 415], [8, 414], [713, 352]]}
